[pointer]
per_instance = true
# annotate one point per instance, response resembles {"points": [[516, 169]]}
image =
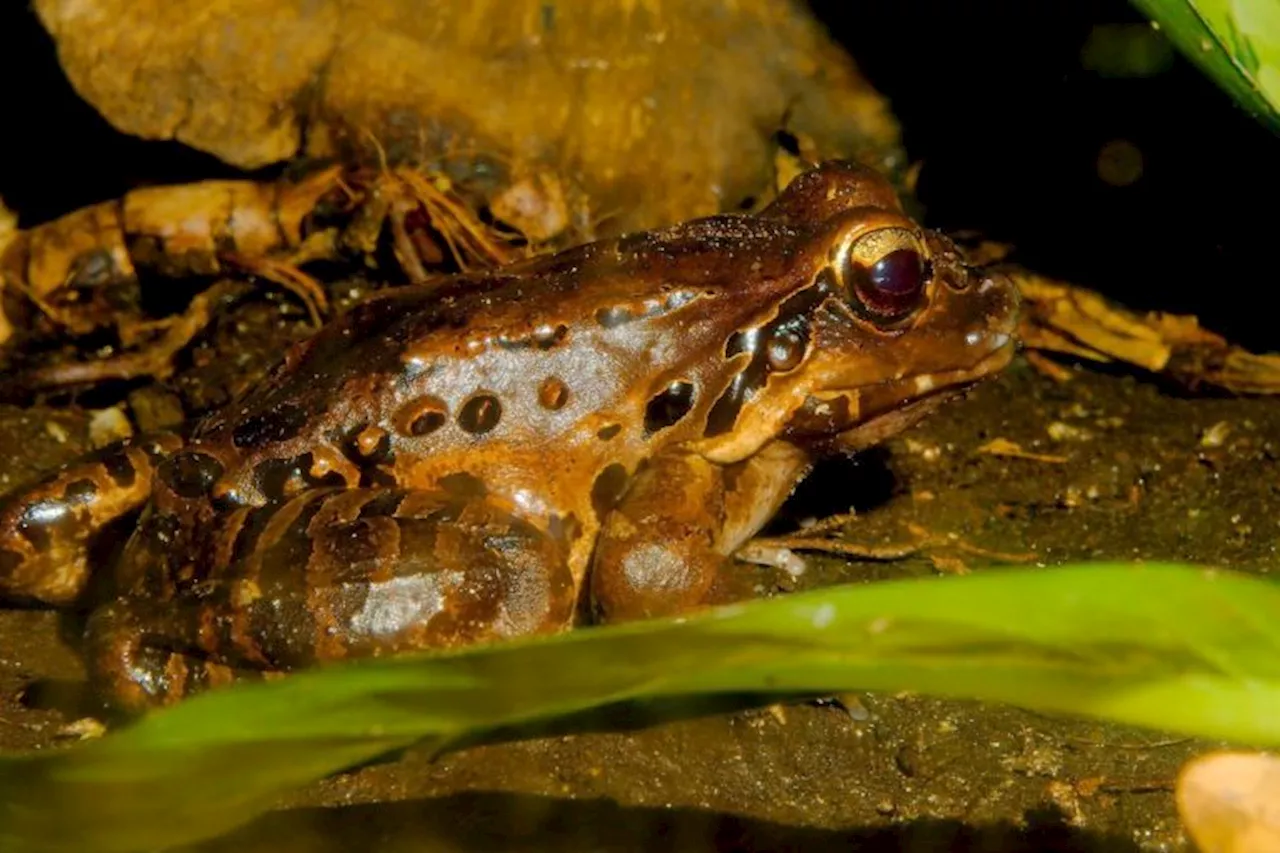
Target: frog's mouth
{"points": [[858, 418], [876, 428]]}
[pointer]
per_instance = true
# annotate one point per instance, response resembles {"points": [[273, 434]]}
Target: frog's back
{"points": [[527, 356]]}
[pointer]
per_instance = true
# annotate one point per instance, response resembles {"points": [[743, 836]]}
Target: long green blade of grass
{"points": [[1169, 647], [1236, 42]]}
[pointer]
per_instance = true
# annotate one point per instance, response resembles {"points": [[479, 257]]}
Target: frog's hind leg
{"points": [[47, 530], [333, 574]]}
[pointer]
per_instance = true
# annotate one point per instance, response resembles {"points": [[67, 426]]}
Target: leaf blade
{"points": [[1169, 647], [1235, 42]]}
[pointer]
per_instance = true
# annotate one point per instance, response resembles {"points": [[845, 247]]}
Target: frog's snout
{"points": [[994, 314], [1004, 295]]}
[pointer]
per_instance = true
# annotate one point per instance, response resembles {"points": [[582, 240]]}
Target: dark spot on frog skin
{"points": [[608, 431], [426, 423], [724, 411], [480, 414], [279, 478], [617, 315], [553, 393], [784, 338], [190, 474], [120, 468], [740, 342], [668, 406], [422, 416], [609, 486], [79, 491], [282, 423], [614, 316]]}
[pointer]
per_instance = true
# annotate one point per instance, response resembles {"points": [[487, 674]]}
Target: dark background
{"points": [[994, 100]]}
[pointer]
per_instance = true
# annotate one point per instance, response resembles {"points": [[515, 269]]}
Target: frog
{"points": [[583, 437]]}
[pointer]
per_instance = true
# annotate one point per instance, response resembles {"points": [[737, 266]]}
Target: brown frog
{"points": [[588, 435]]}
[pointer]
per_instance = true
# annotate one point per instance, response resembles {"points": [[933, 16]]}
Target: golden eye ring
{"points": [[885, 272]]}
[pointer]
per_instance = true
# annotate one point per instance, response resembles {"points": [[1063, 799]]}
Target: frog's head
{"points": [[885, 321]]}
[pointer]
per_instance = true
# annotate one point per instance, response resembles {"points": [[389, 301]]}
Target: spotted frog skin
{"points": [[590, 435]]}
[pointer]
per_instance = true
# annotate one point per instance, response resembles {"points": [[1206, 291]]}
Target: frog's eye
{"points": [[886, 272]]}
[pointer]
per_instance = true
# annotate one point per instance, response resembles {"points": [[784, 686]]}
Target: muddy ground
{"points": [[1133, 470]]}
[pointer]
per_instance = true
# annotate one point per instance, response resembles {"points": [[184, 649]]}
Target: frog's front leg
{"points": [[47, 531], [326, 575], [678, 525]]}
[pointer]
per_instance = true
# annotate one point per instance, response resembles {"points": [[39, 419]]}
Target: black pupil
{"points": [[898, 275]]}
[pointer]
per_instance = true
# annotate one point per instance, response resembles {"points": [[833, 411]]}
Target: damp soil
{"points": [[1130, 470]]}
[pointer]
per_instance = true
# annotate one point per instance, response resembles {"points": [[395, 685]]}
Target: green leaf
{"points": [[1236, 42], [1175, 648]]}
